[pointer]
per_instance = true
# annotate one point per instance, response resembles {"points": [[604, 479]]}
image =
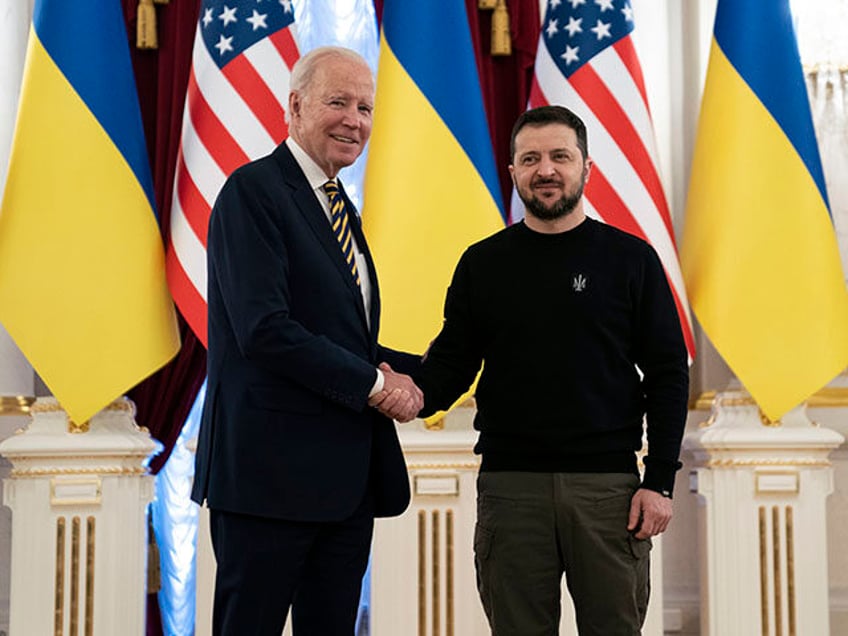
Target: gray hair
{"points": [[304, 69]]}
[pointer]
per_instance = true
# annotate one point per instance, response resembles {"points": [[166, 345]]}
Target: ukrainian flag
{"points": [[759, 252], [430, 185], [82, 277]]}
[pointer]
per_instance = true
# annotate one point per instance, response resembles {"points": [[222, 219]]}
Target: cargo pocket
{"points": [[483, 539], [639, 548]]}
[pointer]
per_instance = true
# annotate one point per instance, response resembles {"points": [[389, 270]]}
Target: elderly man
{"points": [[292, 461]]}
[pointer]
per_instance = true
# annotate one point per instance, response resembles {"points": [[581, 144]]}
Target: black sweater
{"points": [[560, 323]]}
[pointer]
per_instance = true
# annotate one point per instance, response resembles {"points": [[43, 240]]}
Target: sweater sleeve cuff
{"points": [[659, 475]]}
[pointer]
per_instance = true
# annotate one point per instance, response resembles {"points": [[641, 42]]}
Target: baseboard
{"points": [[681, 610], [672, 620]]}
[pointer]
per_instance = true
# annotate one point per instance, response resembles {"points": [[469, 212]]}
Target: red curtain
{"points": [[164, 399], [505, 80]]}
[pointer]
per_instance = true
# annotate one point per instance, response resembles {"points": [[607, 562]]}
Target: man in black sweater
{"points": [[575, 326]]}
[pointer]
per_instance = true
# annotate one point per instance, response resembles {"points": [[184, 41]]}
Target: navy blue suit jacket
{"points": [[286, 430]]}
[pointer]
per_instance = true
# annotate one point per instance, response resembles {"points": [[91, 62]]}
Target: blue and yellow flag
{"points": [[759, 252], [430, 185], [82, 272]]}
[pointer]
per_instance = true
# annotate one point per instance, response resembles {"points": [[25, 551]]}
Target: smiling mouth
{"points": [[344, 140]]}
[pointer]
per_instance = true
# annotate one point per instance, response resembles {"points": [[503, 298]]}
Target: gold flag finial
{"points": [[501, 39], [487, 4], [145, 33]]}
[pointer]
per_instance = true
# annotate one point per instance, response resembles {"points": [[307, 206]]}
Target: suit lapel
{"points": [[359, 235], [310, 209]]}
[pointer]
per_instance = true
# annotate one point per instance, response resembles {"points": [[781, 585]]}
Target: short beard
{"points": [[563, 207]]}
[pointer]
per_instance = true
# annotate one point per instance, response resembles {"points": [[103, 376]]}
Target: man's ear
{"points": [[294, 103]]}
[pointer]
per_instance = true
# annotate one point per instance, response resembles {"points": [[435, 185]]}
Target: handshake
{"points": [[400, 398]]}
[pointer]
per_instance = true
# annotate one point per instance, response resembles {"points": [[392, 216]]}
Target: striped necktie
{"points": [[341, 227]]}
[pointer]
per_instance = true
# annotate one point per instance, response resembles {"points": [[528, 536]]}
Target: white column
{"points": [[422, 568], [762, 520], [15, 372], [14, 415], [16, 376], [79, 530]]}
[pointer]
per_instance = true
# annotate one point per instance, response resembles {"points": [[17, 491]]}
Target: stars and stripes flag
{"points": [[235, 112], [586, 61]]}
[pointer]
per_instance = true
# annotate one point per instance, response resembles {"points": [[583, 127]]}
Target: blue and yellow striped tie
{"points": [[341, 227]]}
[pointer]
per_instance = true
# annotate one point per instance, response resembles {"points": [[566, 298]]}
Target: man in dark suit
{"points": [[292, 460]]}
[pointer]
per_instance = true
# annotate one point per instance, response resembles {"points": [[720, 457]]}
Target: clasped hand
{"points": [[400, 398]]}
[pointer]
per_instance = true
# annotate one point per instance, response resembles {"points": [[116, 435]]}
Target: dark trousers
{"points": [[265, 566], [534, 527]]}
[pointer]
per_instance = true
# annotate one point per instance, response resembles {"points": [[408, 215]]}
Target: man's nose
{"points": [[352, 117], [546, 168]]}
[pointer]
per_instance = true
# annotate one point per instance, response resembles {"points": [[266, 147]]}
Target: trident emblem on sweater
{"points": [[578, 283]]}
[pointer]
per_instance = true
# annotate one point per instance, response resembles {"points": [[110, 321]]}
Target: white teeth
{"points": [[346, 140]]}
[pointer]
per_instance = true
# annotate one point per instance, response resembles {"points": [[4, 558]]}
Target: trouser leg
{"points": [[327, 599], [265, 566], [607, 569], [518, 566], [259, 562]]}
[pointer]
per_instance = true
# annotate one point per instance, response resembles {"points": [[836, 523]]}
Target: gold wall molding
{"points": [[449, 574], [446, 465], [775, 566], [764, 600], [68, 459], [16, 405], [78, 470], [59, 580], [766, 461], [91, 523], [790, 570], [52, 406], [827, 397], [436, 579], [75, 576], [422, 573]]}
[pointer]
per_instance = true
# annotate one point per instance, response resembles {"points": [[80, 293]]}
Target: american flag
{"points": [[235, 112], [586, 62]]}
